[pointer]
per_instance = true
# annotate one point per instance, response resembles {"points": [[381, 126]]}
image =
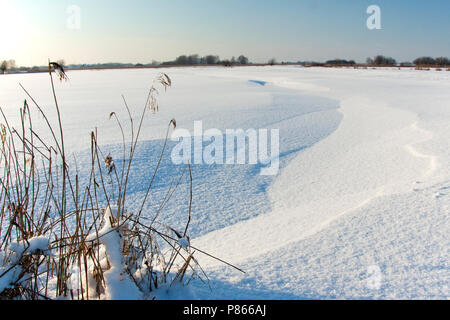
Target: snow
{"points": [[9, 268], [30, 246], [118, 284], [9, 273], [184, 243], [359, 209]]}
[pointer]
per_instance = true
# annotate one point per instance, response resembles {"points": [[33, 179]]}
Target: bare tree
{"points": [[4, 66], [384, 61], [422, 61], [182, 60], [243, 59], [212, 59], [12, 64], [193, 59], [442, 61], [272, 62]]}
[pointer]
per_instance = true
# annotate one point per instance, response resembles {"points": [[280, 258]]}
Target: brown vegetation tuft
{"points": [[58, 236]]}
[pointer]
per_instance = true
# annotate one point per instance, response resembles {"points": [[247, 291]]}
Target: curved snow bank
{"points": [[304, 86], [433, 160], [370, 155], [392, 248]]}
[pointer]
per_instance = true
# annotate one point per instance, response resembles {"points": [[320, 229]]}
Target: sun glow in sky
{"points": [[135, 31], [13, 28]]}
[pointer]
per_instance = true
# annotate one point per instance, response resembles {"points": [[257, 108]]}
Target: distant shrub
{"points": [[406, 64], [226, 63]]}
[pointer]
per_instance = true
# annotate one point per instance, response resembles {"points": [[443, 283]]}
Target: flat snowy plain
{"points": [[360, 207]]}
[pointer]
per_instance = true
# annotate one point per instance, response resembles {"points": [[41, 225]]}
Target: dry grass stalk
{"points": [[55, 234]]}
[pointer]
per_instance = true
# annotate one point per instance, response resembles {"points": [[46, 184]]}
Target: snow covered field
{"points": [[359, 209]]}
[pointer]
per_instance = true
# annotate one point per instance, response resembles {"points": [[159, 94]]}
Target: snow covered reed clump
{"points": [[66, 236]]}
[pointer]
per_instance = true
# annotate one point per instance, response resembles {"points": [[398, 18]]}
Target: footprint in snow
{"points": [[441, 193], [416, 186]]}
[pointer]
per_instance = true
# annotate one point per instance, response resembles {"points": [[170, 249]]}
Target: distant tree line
{"points": [[9, 66], [195, 59], [422, 61], [429, 61], [341, 62], [311, 63]]}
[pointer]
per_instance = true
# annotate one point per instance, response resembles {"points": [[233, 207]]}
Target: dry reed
{"points": [[54, 231]]}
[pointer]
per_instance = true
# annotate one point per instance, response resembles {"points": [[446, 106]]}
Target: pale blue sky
{"points": [[146, 30]]}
